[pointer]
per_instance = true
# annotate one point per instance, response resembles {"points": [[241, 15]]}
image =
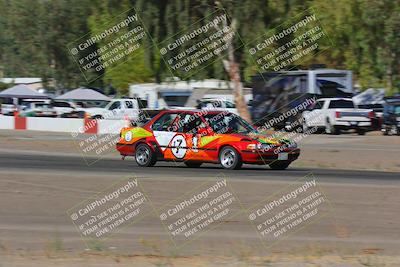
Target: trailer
{"points": [[275, 93]]}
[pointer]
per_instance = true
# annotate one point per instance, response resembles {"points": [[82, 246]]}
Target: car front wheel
{"points": [[145, 156], [230, 158], [360, 132]]}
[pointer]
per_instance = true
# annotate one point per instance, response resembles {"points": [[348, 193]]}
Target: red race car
{"points": [[196, 137]]}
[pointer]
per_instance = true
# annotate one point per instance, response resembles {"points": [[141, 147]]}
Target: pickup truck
{"points": [[8, 109], [118, 109], [391, 116], [337, 114]]}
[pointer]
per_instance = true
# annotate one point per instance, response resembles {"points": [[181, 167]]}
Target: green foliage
{"points": [[132, 68], [364, 36], [4, 86]]}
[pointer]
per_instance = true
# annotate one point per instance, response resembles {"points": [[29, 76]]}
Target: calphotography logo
{"points": [[115, 42], [199, 211], [116, 207], [199, 45], [291, 43], [289, 210]]}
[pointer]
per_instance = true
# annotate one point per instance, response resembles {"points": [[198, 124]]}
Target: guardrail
{"points": [[67, 125]]}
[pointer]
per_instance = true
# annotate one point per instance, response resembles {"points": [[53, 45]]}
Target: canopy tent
{"points": [[83, 94], [22, 91]]}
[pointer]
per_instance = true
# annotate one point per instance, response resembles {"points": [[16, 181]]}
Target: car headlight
{"points": [[252, 146], [257, 146]]}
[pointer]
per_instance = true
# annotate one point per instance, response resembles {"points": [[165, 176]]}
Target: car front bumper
{"points": [[266, 157], [353, 124]]}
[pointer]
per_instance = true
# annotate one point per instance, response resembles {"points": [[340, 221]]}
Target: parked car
{"points": [[195, 137], [8, 109], [337, 114], [378, 110], [118, 109], [66, 109], [37, 109], [391, 117]]}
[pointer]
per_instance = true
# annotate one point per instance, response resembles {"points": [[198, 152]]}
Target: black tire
{"points": [[144, 156], [331, 129], [386, 132], [279, 165], [304, 127], [395, 130], [360, 132], [230, 159], [193, 164]]}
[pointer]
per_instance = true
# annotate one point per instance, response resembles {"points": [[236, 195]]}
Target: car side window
{"points": [[61, 104], [129, 104], [189, 123], [230, 105], [318, 105], [115, 105], [164, 123], [217, 104]]}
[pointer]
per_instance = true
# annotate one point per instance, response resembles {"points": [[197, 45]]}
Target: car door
{"points": [[131, 110], [62, 107], [164, 133], [116, 111], [191, 127]]}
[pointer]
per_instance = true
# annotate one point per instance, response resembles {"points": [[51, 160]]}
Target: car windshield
{"points": [[226, 123], [341, 104], [43, 105]]}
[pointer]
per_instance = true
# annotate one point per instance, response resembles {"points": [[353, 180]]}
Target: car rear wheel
{"points": [[279, 165], [394, 130], [385, 130], [230, 158], [360, 132], [193, 164], [331, 129], [145, 156], [305, 126]]}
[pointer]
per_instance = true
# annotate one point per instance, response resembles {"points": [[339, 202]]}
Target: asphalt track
{"points": [[55, 162]]}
